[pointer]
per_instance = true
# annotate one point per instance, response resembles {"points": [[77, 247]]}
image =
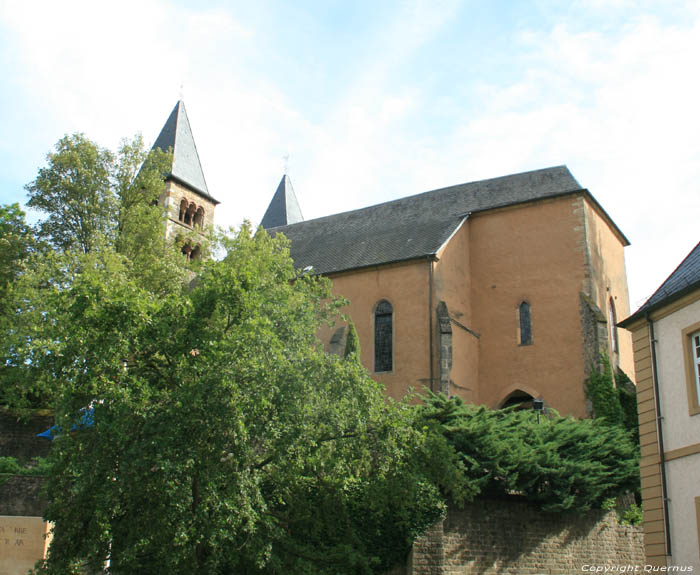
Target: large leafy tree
{"points": [[92, 197], [92, 200], [16, 245], [224, 439], [75, 193]]}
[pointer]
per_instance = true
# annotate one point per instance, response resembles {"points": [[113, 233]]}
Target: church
{"points": [[499, 291]]}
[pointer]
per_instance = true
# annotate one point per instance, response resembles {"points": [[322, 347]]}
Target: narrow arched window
{"points": [[525, 323], [183, 210], [383, 337], [199, 217], [612, 324], [189, 214]]}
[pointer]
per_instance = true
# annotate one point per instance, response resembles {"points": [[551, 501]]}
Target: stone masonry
{"points": [[492, 537]]}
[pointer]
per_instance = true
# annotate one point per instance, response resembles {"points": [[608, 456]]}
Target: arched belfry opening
{"points": [[186, 197]]}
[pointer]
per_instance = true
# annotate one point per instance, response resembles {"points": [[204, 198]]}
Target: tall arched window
{"points": [[199, 217], [612, 324], [383, 337], [189, 214], [525, 323], [183, 209]]}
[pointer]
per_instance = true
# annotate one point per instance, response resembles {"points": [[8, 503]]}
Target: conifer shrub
{"points": [[352, 342], [561, 463]]}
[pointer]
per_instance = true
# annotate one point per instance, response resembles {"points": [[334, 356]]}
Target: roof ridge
{"points": [[446, 189]]}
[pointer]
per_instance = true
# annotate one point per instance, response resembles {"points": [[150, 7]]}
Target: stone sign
{"points": [[23, 541]]}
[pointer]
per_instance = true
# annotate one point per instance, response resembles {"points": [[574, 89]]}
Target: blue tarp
{"points": [[87, 419]]}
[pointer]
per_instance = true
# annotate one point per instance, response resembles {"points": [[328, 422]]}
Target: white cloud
{"points": [[619, 109]]}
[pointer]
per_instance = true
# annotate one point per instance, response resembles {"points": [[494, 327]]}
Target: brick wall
{"points": [[18, 437], [22, 495], [514, 537]]}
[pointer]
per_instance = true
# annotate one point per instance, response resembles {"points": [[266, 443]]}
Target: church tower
{"points": [[284, 208], [186, 198]]}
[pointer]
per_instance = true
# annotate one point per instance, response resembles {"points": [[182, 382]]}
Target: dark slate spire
{"points": [[177, 134], [284, 208]]}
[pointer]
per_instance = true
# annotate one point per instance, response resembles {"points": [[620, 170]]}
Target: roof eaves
{"points": [[646, 310], [189, 186], [616, 230], [607, 218], [380, 264]]}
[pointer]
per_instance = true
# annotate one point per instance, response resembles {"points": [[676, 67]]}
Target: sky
{"points": [[363, 102]]}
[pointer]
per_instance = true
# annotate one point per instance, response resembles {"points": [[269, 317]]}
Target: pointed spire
{"points": [[186, 168], [284, 208]]}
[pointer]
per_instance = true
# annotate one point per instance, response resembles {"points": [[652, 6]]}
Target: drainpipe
{"points": [[660, 434], [430, 319]]}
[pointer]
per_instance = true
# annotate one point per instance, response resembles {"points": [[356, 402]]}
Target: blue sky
{"points": [[377, 100]]}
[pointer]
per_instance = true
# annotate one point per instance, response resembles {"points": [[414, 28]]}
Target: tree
{"points": [[16, 244], [93, 200], [74, 192], [352, 342], [224, 438], [93, 197]]}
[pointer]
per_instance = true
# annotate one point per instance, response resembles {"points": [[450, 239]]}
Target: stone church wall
{"points": [[492, 537]]}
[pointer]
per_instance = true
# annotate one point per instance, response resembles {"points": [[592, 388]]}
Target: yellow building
{"points": [[499, 291], [666, 335]]}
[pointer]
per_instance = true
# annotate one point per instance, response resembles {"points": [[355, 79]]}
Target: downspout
{"points": [[660, 434], [430, 319]]}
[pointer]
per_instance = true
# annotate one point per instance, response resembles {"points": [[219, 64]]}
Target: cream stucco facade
{"points": [[669, 416], [681, 432]]}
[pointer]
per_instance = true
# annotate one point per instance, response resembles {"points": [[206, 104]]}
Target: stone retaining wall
{"points": [[492, 537]]}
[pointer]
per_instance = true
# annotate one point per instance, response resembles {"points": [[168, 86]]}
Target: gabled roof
{"points": [[413, 227], [284, 208], [186, 168], [684, 279]]}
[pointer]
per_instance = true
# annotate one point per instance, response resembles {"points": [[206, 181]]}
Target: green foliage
{"points": [[352, 342], [16, 244], [34, 466], [225, 439], [95, 202], [600, 390], [562, 464], [627, 396], [75, 193], [633, 515]]}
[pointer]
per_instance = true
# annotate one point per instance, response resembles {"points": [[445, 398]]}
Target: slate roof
{"points": [[186, 168], [416, 226], [284, 208], [684, 279]]}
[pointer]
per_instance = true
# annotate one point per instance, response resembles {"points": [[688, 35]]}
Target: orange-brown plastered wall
{"points": [[452, 284], [405, 286], [531, 252], [607, 277]]}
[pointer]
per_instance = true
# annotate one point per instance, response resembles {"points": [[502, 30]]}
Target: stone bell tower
{"points": [[186, 198]]}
